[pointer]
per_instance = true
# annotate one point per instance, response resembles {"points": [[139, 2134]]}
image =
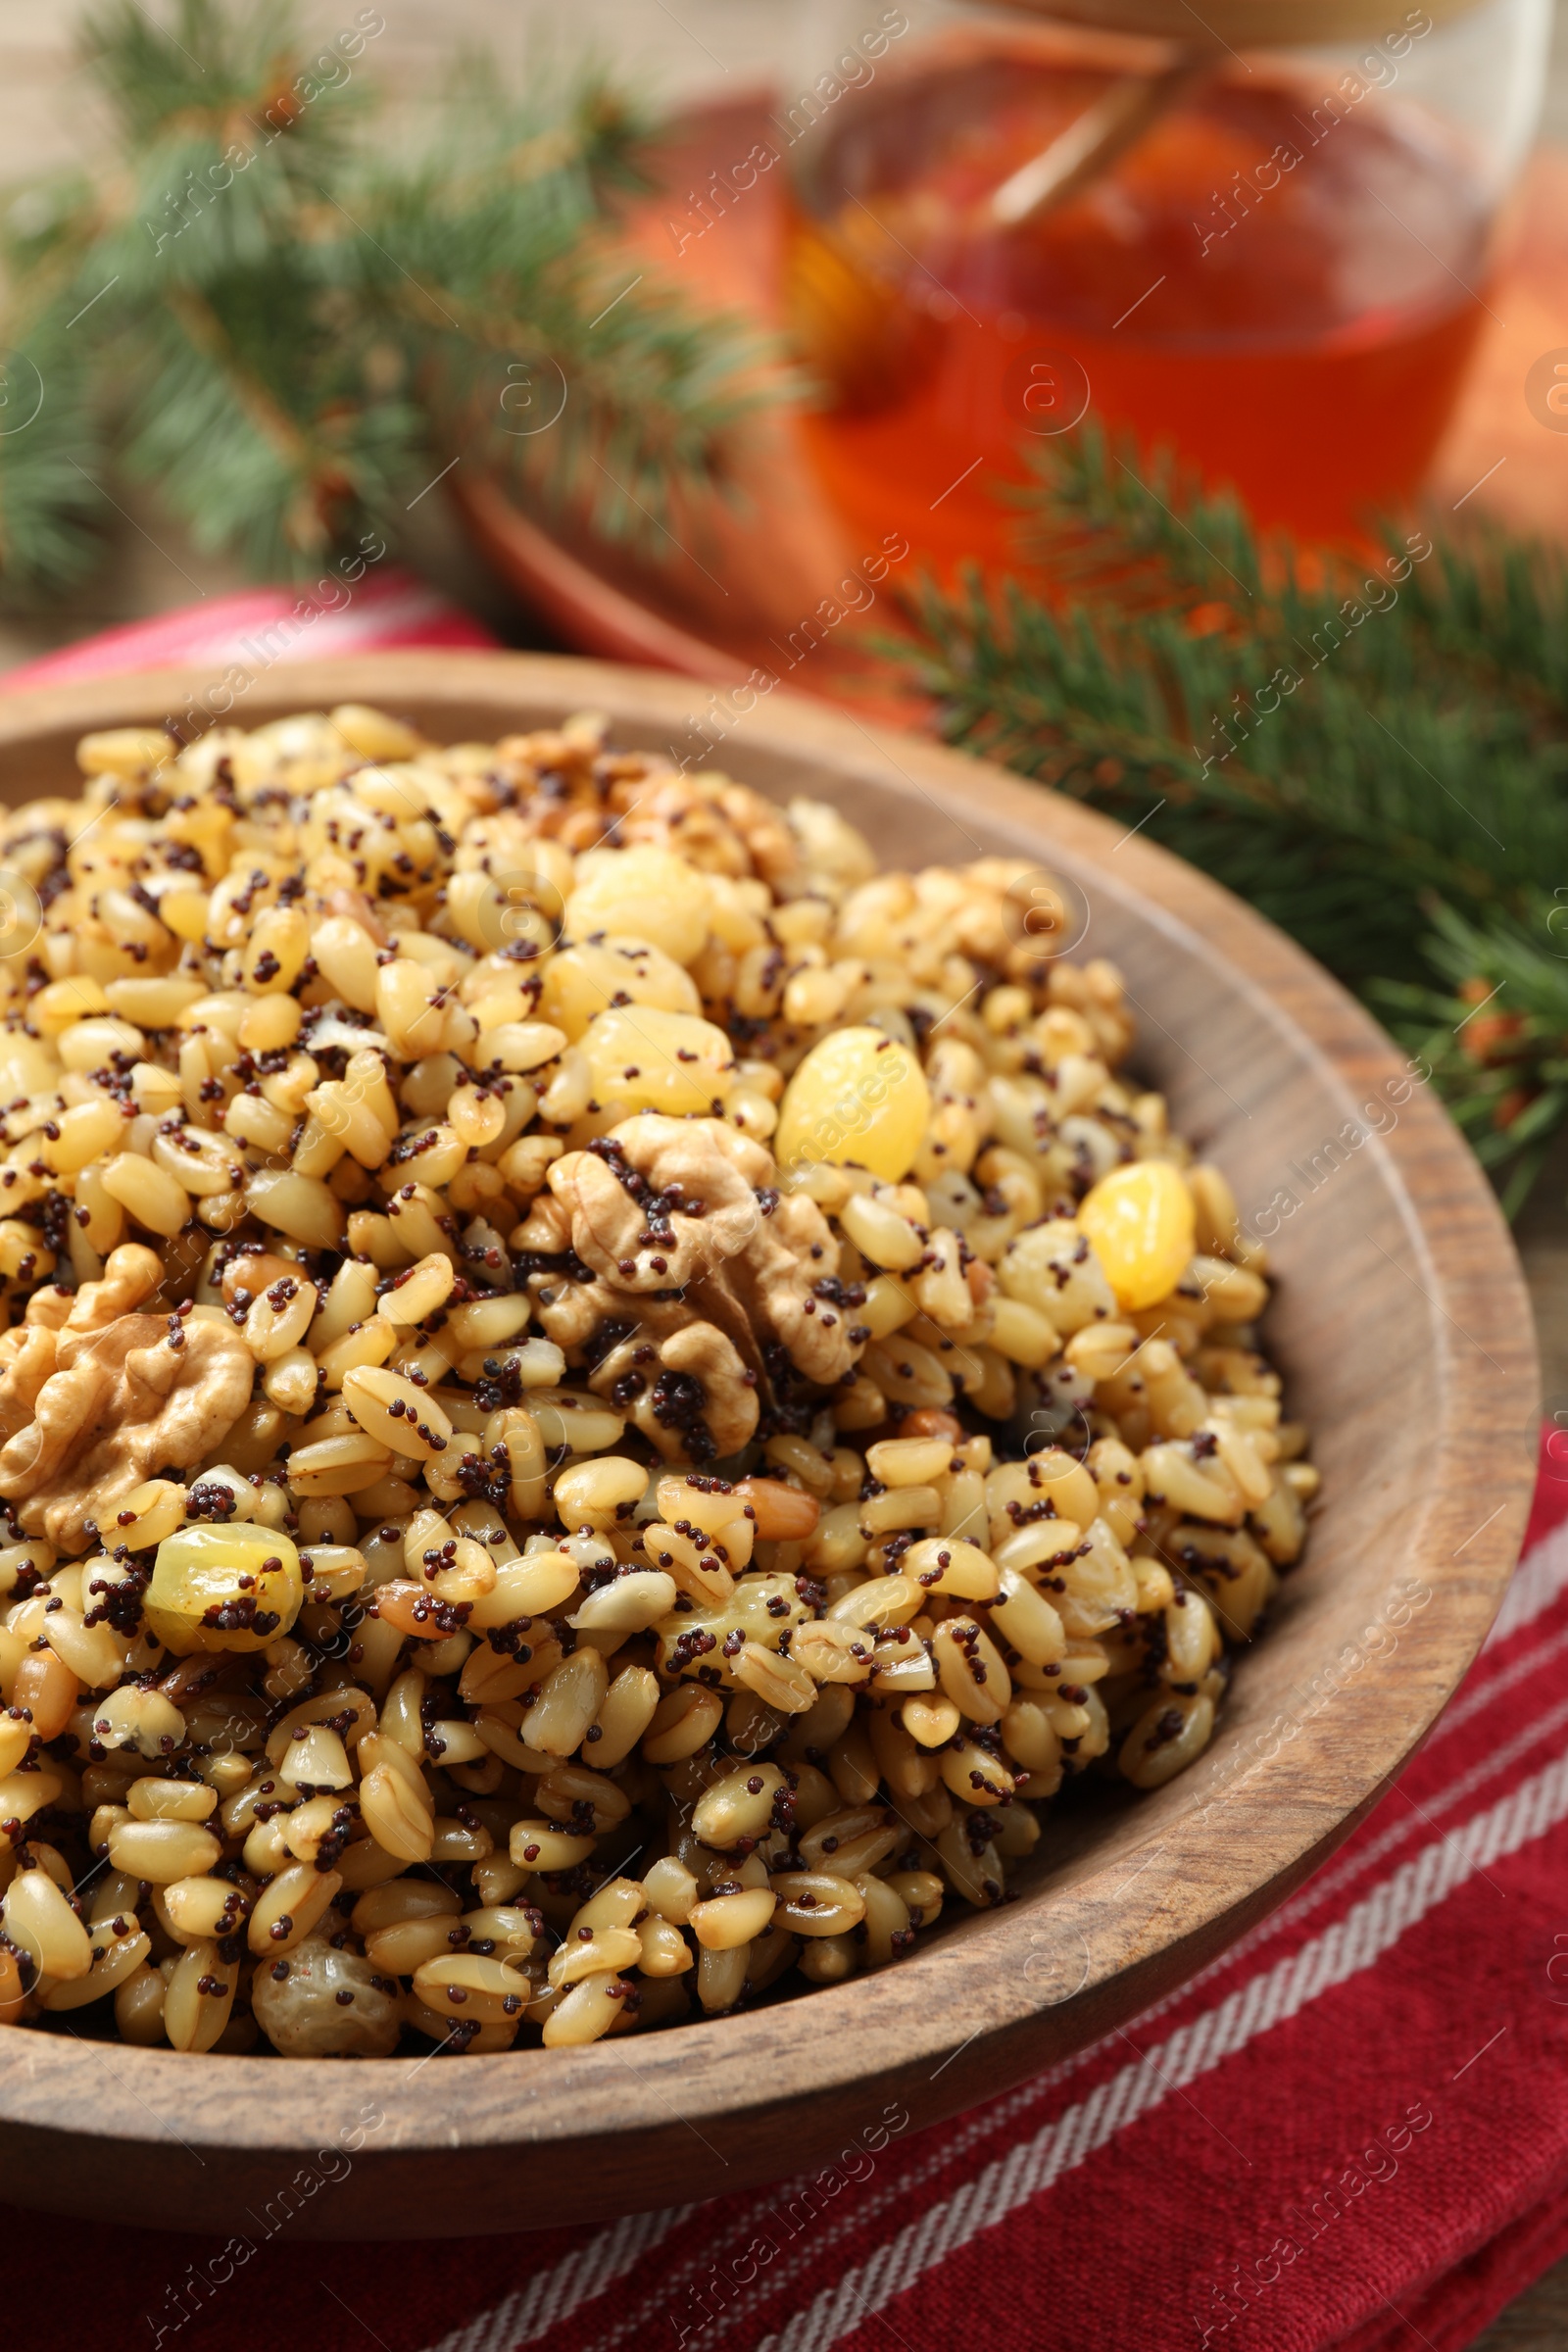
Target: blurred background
{"points": [[1498, 80]]}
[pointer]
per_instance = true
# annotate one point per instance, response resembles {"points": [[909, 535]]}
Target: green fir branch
{"points": [[1376, 757], [290, 322], [51, 454]]}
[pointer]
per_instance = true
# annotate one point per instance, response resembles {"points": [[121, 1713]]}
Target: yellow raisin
{"points": [[1139, 1223], [860, 1096], [582, 981], [641, 892], [656, 1061], [223, 1587]]}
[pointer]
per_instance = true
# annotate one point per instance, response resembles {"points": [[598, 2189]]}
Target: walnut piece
{"points": [[132, 1275], [709, 1289], [685, 1382], [26, 1359], [47, 1309], [701, 1354], [658, 1201], [715, 825], [786, 1283], [123, 1402]]}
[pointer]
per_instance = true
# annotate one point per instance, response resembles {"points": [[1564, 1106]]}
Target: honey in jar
{"points": [[1283, 277]]}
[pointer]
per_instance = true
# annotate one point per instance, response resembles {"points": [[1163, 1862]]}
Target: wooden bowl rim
{"points": [[978, 1987], [1233, 24]]}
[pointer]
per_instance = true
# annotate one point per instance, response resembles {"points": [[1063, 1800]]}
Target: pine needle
{"points": [[288, 320], [1377, 758]]}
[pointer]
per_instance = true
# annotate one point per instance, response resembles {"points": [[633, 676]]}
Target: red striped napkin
{"points": [[1350, 2131]]}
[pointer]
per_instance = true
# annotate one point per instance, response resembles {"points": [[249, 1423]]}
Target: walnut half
{"points": [[710, 1291], [124, 1401]]}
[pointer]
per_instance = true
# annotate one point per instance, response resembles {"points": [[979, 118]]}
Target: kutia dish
{"points": [[1401, 1333], [602, 1399]]}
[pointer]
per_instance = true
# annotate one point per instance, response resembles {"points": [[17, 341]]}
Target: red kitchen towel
{"points": [[1350, 2131], [348, 611]]}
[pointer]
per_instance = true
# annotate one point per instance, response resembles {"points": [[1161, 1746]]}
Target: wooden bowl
{"points": [[1403, 1333]]}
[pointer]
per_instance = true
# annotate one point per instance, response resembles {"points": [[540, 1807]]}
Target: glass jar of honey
{"points": [[1279, 266]]}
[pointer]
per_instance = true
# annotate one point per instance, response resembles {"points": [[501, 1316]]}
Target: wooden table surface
{"points": [[151, 568]]}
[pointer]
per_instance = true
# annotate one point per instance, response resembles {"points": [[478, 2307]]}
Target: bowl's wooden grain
{"points": [[1403, 1329]]}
